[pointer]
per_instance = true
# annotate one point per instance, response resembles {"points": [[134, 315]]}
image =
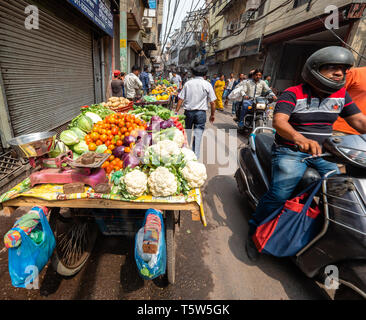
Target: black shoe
{"points": [[251, 250]]}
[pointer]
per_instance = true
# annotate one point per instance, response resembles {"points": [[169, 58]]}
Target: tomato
{"points": [[99, 143], [121, 123], [124, 130], [108, 151], [103, 137], [110, 137], [127, 149], [116, 168], [109, 169], [115, 131], [111, 147], [107, 143], [119, 143], [94, 136], [128, 124], [92, 147], [111, 158], [105, 164]]}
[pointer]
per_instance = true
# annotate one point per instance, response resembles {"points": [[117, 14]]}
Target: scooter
{"points": [[257, 115], [341, 244]]}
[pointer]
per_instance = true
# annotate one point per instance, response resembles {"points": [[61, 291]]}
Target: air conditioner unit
{"points": [[248, 16], [147, 22]]}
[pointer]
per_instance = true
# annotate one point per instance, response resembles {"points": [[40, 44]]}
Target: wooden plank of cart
{"points": [[79, 222]]}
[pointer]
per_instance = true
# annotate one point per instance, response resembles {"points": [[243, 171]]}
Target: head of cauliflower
{"points": [[189, 155], [195, 173], [136, 182], [162, 183]]}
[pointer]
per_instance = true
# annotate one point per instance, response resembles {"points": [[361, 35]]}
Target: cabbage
{"points": [[60, 148], [81, 147], [80, 133], [75, 156], [95, 118], [101, 148], [69, 137], [85, 124]]}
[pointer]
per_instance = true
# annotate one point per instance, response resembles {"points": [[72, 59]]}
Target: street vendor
{"points": [[133, 84]]}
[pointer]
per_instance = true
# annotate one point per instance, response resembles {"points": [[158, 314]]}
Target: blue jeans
{"points": [[287, 171], [244, 110], [195, 120], [235, 106], [226, 93]]}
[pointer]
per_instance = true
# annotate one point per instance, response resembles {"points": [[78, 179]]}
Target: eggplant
{"points": [[119, 152], [131, 161], [128, 140]]}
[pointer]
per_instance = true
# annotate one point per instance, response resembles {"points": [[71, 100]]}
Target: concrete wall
{"points": [[357, 41]]}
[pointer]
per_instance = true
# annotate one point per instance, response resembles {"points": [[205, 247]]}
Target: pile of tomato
{"points": [[111, 132]]}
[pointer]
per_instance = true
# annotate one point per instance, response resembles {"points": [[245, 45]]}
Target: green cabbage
{"points": [[101, 148], [69, 137], [60, 148], [85, 123], [81, 147], [95, 118], [80, 133]]}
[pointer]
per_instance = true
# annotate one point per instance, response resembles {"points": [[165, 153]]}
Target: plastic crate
{"points": [[119, 222]]}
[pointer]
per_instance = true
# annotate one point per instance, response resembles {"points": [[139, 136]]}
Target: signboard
{"points": [[221, 56], [251, 47], [97, 11], [152, 4], [234, 52]]}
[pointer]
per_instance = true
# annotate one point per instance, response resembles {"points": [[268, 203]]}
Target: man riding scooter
{"points": [[253, 88], [303, 120]]}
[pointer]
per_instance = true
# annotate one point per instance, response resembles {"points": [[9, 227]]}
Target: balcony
{"points": [[150, 39], [135, 12]]}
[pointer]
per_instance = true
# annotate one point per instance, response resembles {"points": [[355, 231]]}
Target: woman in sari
{"points": [[219, 90]]}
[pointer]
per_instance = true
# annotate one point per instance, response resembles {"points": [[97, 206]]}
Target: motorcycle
{"points": [[257, 115], [341, 244]]}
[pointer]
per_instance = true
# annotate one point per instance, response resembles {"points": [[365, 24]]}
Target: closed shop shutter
{"points": [[48, 73]]}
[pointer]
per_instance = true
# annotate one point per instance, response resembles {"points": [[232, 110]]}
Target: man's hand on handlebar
{"points": [[308, 146]]}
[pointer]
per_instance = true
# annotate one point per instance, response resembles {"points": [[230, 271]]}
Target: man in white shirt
{"points": [[177, 80], [195, 97], [133, 84]]}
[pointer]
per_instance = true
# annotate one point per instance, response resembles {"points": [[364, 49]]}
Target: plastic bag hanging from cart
{"points": [[151, 266], [28, 259]]}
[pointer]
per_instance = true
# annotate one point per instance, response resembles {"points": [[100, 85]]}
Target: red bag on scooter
{"points": [[290, 228]]}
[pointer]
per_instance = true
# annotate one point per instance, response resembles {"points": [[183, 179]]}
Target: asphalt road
{"points": [[211, 261]]}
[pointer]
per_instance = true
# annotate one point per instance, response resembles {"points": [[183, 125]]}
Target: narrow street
{"points": [[211, 261]]}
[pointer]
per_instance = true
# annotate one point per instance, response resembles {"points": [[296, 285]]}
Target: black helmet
{"points": [[328, 55]]}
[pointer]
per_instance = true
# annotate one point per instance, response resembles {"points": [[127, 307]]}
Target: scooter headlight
{"points": [[261, 106], [354, 155]]}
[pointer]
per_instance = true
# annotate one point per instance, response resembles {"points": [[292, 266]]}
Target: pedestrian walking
{"points": [[117, 84], [267, 79], [214, 79], [195, 97], [219, 90], [145, 79], [229, 88], [133, 84], [356, 87], [177, 80], [238, 82]]}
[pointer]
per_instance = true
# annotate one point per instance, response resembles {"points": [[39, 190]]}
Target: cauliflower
{"points": [[164, 151], [162, 183], [195, 174], [172, 134], [136, 183], [189, 155]]}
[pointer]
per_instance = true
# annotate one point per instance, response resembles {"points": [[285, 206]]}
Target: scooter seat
{"points": [[263, 144]]}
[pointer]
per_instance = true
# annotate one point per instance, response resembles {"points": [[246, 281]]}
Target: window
{"points": [[261, 8], [216, 34], [298, 3]]}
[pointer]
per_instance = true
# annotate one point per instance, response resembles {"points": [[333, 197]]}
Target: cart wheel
{"points": [[170, 246], [75, 239]]}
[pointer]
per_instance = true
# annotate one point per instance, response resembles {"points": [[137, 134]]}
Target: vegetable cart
{"points": [[165, 103], [76, 229], [104, 173]]}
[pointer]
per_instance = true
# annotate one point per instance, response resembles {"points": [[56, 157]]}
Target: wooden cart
{"points": [[80, 217]]}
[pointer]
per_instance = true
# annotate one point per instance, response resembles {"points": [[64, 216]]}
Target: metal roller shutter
{"points": [[48, 73]]}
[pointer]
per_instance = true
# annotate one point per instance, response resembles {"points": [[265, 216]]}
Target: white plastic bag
{"points": [[236, 94]]}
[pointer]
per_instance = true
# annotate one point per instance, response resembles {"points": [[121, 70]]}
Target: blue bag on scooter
{"points": [[151, 266], [28, 259], [290, 228]]}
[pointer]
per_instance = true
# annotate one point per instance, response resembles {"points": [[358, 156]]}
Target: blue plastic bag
{"points": [[151, 266], [28, 260]]}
